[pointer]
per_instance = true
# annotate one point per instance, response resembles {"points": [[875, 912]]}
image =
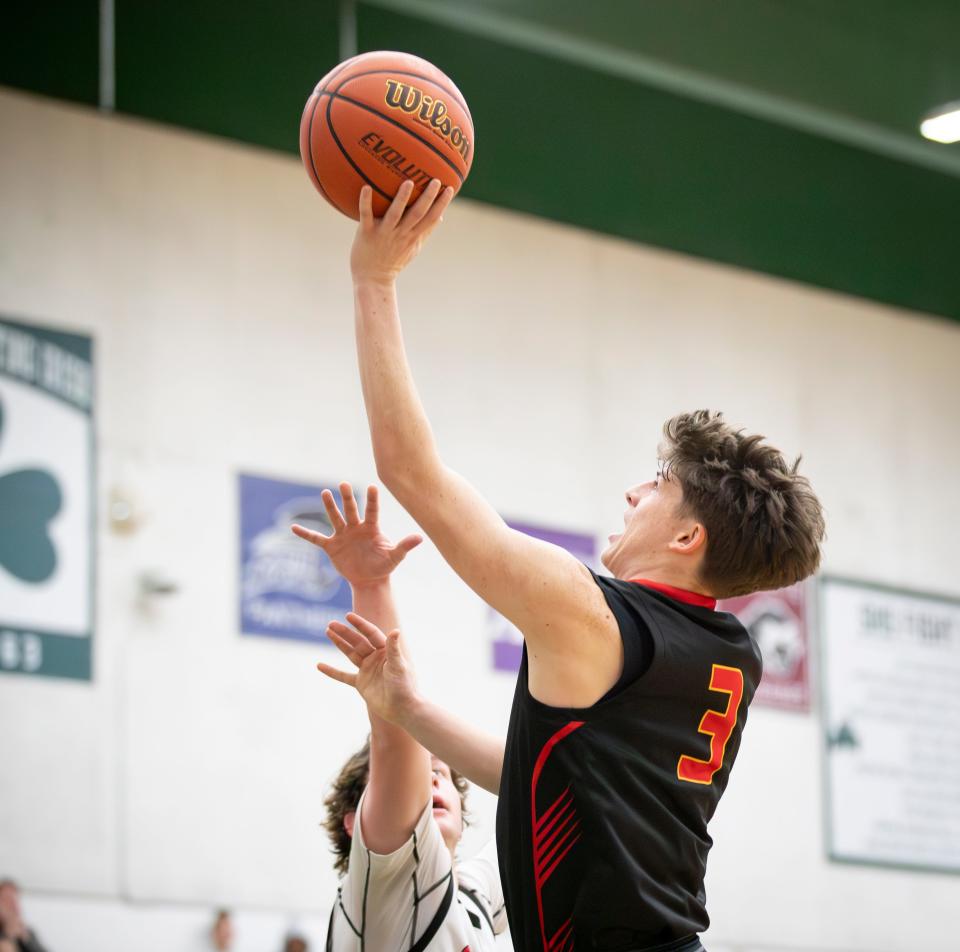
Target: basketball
{"points": [[379, 119]]}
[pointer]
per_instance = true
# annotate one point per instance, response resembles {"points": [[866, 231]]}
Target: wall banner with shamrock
{"points": [[46, 501]]}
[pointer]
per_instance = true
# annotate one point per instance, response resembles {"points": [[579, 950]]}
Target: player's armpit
{"points": [[541, 588], [549, 595], [533, 583]]}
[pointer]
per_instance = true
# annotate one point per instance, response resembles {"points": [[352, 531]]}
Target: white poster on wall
{"points": [[891, 692]]}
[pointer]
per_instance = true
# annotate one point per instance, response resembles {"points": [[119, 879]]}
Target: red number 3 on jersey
{"points": [[717, 725]]}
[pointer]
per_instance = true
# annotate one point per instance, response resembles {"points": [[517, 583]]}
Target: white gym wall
{"points": [[214, 280]]}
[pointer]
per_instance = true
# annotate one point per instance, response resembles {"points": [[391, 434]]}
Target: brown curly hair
{"points": [[344, 796], [764, 523]]}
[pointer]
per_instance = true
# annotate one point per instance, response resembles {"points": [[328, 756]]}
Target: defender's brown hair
{"points": [[344, 798], [764, 523]]}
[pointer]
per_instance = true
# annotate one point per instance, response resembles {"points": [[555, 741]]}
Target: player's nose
{"points": [[637, 493]]}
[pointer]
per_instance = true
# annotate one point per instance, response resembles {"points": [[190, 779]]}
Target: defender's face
{"points": [[447, 809], [650, 523]]}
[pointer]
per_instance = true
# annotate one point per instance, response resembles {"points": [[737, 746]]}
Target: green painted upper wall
{"points": [[52, 48], [242, 70], [886, 61], [582, 145]]}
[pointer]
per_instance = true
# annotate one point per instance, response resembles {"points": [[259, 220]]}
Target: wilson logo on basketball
{"points": [[427, 109]]}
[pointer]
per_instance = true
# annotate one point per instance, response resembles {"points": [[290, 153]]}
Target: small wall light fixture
{"points": [[942, 124]]}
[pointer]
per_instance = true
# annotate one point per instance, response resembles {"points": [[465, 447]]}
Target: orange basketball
{"points": [[379, 119]]}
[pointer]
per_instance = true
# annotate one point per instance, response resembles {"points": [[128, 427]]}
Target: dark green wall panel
{"points": [[581, 147], [565, 142], [242, 70], [51, 48], [886, 61]]}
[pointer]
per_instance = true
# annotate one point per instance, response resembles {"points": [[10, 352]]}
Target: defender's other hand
{"points": [[384, 678], [383, 247], [359, 551]]}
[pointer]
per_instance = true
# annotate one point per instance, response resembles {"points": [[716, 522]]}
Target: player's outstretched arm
{"points": [[547, 593], [399, 785], [384, 678]]}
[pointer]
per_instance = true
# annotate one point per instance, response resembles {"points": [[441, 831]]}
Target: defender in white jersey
{"points": [[395, 815], [419, 896]]}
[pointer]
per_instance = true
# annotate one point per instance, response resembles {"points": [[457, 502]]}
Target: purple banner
{"points": [[288, 588]]}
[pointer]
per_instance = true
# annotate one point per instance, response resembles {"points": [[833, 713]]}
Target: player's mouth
{"points": [[438, 804], [614, 536]]}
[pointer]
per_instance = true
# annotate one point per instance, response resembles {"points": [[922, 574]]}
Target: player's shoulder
{"points": [[627, 598], [668, 609], [424, 846]]}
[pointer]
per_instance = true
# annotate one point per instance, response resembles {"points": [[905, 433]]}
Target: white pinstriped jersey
{"points": [[414, 897]]}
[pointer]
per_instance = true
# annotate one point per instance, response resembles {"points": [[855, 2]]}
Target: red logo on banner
{"points": [[777, 621]]}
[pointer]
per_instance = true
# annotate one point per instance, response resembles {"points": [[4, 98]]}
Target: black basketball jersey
{"points": [[603, 811]]}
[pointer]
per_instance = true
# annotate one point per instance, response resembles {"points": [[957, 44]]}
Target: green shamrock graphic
{"points": [[29, 499]]}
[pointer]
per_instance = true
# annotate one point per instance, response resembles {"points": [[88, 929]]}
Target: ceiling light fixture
{"points": [[942, 124]]}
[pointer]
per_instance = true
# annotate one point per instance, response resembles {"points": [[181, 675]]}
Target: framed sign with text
{"points": [[891, 697]]}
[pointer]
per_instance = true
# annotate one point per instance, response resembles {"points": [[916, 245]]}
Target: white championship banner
{"points": [[891, 695], [46, 501]]}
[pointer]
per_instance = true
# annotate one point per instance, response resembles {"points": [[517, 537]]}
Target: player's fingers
{"points": [[359, 642], [367, 629], [393, 645], [366, 207], [395, 212], [408, 543], [333, 513], [336, 674], [371, 512], [349, 501], [433, 217], [317, 538], [346, 649], [418, 210]]}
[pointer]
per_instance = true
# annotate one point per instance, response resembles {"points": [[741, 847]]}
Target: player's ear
{"points": [[690, 540], [348, 820]]}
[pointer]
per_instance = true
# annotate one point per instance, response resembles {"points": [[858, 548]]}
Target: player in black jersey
{"points": [[633, 691]]}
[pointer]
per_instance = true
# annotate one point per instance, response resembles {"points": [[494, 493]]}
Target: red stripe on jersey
{"points": [[554, 834], [680, 594], [562, 938]]}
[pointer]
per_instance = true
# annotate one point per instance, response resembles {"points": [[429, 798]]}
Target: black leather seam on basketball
{"points": [[400, 72], [313, 164], [399, 125], [347, 156]]}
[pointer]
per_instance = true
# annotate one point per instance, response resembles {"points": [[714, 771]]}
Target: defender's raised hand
{"points": [[359, 551], [383, 247], [384, 677]]}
